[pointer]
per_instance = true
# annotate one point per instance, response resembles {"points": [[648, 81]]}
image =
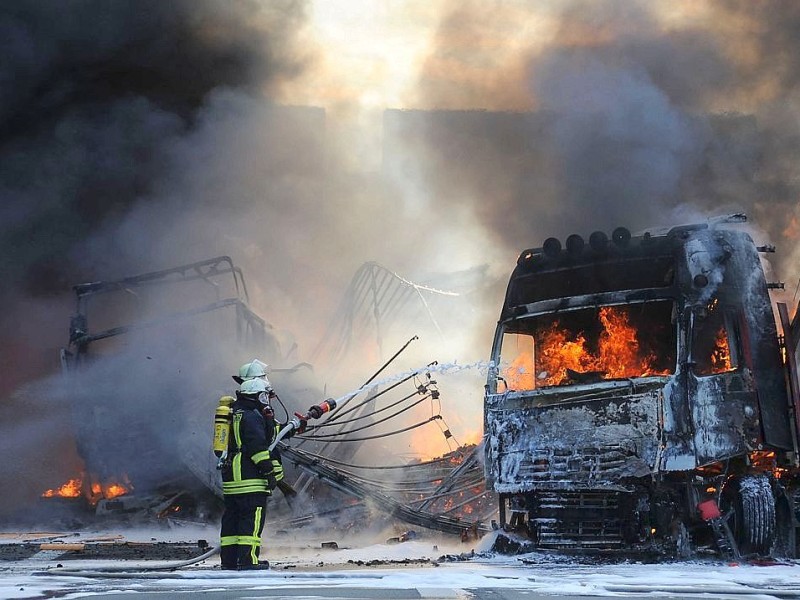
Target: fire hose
{"points": [[296, 422], [123, 571]]}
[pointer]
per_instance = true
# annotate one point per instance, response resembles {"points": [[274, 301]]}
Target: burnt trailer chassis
{"points": [[693, 456]]}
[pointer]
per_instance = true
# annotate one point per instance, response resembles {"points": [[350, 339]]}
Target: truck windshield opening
{"points": [[589, 345]]}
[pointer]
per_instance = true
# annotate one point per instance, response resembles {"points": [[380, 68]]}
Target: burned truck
{"points": [[640, 396]]}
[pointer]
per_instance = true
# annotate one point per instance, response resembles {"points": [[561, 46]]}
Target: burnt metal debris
{"points": [[437, 495], [249, 324], [351, 485], [638, 396]]}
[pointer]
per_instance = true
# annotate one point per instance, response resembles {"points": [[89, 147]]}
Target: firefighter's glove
{"points": [[267, 468], [302, 423], [277, 469]]}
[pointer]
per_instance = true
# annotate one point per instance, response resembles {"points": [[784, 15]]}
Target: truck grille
{"points": [[556, 463], [578, 520]]}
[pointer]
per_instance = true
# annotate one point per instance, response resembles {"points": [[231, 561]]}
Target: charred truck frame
{"points": [[640, 396]]}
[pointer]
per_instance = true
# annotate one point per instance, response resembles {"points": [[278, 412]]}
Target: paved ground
{"points": [[464, 580], [424, 569], [376, 593]]}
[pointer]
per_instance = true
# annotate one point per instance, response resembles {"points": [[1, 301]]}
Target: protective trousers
{"points": [[242, 524]]}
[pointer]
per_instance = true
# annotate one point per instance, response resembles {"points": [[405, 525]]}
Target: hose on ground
{"points": [[121, 570]]}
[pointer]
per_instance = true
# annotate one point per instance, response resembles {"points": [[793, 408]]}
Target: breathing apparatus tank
{"points": [[223, 417]]}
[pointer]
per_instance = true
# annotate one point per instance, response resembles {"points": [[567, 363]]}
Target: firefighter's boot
{"points": [[263, 565]]}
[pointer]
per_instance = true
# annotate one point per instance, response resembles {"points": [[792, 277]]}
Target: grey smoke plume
{"points": [[143, 136], [634, 117]]}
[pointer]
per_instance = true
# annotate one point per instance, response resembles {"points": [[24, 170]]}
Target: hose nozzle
{"points": [[316, 411]]}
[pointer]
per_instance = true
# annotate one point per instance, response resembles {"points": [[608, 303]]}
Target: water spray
{"points": [[330, 404]]}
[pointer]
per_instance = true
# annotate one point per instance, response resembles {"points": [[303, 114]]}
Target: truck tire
{"points": [[754, 507]]}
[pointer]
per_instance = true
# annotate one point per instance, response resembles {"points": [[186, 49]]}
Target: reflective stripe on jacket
{"points": [[248, 449]]}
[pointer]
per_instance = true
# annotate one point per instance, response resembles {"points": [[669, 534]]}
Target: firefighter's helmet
{"points": [[252, 387], [255, 368], [256, 388]]}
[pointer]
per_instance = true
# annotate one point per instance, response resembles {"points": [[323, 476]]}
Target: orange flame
{"points": [[721, 354], [74, 488], [618, 354], [71, 489], [113, 490], [471, 438], [763, 460]]}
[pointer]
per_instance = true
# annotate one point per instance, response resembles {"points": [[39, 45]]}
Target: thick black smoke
{"points": [[95, 96], [94, 93], [101, 103]]}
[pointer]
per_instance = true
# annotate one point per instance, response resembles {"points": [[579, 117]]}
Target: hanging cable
{"points": [[338, 415], [388, 362], [378, 422], [419, 390], [445, 429], [381, 467], [375, 437], [401, 487]]}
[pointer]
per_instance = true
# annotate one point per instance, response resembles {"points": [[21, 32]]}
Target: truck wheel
{"points": [[754, 513], [785, 522]]}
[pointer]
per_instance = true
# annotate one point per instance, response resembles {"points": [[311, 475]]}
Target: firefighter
{"points": [[248, 477]]}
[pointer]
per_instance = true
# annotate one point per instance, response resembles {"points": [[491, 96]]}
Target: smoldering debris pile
{"points": [[433, 495], [146, 445]]}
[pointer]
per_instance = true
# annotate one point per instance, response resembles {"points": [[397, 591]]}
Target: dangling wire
{"points": [[372, 437], [436, 409], [339, 415], [378, 422], [420, 390], [448, 435]]}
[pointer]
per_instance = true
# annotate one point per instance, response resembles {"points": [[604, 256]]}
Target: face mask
{"points": [[266, 409]]}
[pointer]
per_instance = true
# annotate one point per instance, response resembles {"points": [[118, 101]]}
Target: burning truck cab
{"points": [[638, 399]]}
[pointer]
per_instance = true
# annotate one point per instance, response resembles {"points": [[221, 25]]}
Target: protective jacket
{"points": [[249, 458]]}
